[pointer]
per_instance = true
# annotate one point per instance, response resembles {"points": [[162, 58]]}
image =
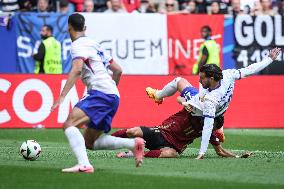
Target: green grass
{"points": [[265, 169]]}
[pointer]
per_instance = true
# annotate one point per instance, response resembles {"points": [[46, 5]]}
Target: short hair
{"points": [[48, 27], [63, 3], [77, 21], [212, 70], [207, 28]]}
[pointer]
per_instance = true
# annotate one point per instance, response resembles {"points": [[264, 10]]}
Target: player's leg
{"points": [[102, 111], [178, 84], [96, 141], [166, 152], [128, 133], [77, 143]]}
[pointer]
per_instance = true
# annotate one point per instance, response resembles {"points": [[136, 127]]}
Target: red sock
{"points": [[120, 133], [153, 153]]}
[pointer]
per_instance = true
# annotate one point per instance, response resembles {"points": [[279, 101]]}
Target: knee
{"points": [[168, 153], [65, 125], [134, 132]]}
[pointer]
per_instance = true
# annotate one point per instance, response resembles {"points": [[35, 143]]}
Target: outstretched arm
{"points": [[226, 153], [72, 77], [257, 67]]}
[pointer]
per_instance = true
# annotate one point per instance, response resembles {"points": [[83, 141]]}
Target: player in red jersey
{"points": [[173, 135]]}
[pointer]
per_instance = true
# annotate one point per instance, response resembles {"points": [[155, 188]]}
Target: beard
{"points": [[43, 37]]}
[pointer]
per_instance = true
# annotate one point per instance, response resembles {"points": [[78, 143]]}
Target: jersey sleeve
{"points": [[79, 52], [235, 74], [232, 74]]}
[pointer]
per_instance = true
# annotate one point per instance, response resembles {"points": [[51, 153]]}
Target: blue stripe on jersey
{"points": [[209, 116], [86, 61], [101, 54]]}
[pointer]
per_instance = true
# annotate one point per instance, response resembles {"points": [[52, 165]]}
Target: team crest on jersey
{"points": [[202, 98]]}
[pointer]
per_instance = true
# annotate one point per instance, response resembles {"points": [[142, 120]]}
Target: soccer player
{"points": [[99, 106], [173, 135], [215, 95]]}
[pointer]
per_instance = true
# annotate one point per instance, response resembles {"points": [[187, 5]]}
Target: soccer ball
{"points": [[30, 150]]}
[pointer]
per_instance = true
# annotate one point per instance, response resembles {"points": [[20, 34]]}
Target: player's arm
{"points": [[182, 101], [209, 115], [226, 153], [72, 77], [116, 71], [257, 67]]}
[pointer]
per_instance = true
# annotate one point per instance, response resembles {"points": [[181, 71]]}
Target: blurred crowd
{"points": [[229, 7]]}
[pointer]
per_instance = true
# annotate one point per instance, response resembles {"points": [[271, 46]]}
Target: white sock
{"points": [[169, 89], [107, 142], [77, 143]]}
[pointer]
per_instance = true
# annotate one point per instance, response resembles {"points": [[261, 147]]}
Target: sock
{"points": [[107, 142], [169, 89], [120, 133], [77, 143], [153, 153]]}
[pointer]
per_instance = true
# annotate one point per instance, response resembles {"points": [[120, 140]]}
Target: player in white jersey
{"points": [[215, 95], [98, 107]]}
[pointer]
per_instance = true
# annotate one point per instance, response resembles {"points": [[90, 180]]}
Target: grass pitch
{"points": [[265, 169]]}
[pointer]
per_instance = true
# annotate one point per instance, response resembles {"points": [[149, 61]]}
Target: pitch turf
{"points": [[265, 169]]}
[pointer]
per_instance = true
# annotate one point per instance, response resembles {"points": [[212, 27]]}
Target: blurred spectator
{"points": [[131, 5], [236, 7], [146, 7], [100, 5], [190, 7], [79, 5], [201, 7], [89, 6], [64, 6], [48, 57], [223, 4], [170, 7], [256, 10], [267, 7], [281, 7], [115, 7], [9, 5], [27, 5], [215, 7], [42, 6]]}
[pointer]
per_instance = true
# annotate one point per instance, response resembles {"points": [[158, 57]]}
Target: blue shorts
{"points": [[100, 108], [188, 92]]}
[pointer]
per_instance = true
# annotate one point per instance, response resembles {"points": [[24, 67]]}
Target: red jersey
{"points": [[182, 128]]}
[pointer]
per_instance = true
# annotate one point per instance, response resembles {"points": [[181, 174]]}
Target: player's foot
{"points": [[79, 169], [219, 133], [125, 154], [151, 93], [139, 151]]}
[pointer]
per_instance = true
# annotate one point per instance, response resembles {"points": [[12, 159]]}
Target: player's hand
{"points": [[273, 54], [57, 103], [188, 107], [246, 154], [200, 156]]}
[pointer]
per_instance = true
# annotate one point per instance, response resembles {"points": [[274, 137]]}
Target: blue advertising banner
{"points": [[228, 44], [8, 49], [28, 26]]}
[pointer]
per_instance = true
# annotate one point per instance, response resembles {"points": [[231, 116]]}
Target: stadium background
{"points": [[152, 49]]}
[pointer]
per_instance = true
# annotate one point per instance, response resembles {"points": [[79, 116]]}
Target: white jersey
{"points": [[221, 96], [96, 62]]}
